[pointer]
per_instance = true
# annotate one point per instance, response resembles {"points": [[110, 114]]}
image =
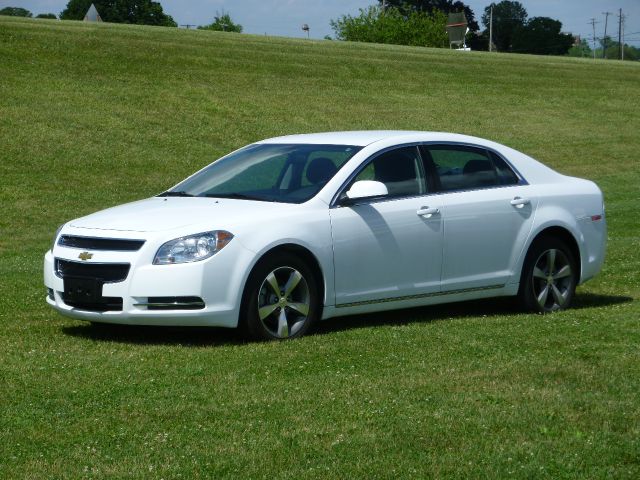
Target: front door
{"points": [[388, 248]]}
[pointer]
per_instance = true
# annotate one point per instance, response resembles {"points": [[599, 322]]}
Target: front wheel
{"points": [[549, 277], [281, 298]]}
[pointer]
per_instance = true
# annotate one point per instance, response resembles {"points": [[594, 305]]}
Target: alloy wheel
{"points": [[284, 302], [552, 280]]}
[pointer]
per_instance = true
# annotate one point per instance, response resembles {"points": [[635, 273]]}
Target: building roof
{"points": [[92, 14]]}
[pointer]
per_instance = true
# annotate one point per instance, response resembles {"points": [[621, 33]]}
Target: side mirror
{"points": [[365, 189]]}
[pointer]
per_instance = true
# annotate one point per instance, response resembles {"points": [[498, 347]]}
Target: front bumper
{"points": [[218, 281]]}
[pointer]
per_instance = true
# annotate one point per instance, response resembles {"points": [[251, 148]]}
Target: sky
{"points": [[286, 17]]}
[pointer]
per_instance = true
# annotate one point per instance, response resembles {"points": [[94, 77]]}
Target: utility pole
{"points": [[623, 19], [604, 40], [620, 37], [491, 29], [593, 24]]}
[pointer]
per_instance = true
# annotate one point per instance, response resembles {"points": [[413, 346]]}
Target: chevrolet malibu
{"points": [[288, 231]]}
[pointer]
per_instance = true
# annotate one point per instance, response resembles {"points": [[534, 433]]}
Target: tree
{"points": [[222, 23], [16, 12], [140, 12], [430, 6], [542, 36], [613, 50], [582, 49], [46, 15], [478, 40], [391, 26], [508, 16], [631, 52]]}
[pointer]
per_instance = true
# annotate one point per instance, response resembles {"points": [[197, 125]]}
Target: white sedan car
{"points": [[290, 230]]}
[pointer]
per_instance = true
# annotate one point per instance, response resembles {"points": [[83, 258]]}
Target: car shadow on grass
{"points": [[156, 335], [212, 336], [594, 300], [489, 307]]}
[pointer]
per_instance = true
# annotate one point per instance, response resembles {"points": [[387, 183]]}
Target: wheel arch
{"points": [[305, 254], [559, 232]]}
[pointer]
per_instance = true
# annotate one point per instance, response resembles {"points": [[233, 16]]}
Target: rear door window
{"points": [[467, 168], [505, 174]]}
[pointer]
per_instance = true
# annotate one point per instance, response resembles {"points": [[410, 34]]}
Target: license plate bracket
{"points": [[79, 289]]}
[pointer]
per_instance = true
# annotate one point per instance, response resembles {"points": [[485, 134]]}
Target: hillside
{"points": [[93, 115]]}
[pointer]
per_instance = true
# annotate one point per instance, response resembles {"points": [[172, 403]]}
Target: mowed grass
{"points": [[96, 115]]}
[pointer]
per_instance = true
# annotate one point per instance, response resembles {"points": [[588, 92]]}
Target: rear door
{"points": [[487, 212]]}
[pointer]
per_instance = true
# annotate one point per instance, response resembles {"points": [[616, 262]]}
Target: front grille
{"points": [[95, 243], [103, 304], [104, 272]]}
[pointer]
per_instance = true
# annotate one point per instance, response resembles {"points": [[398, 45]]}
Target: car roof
{"points": [[532, 170], [366, 137]]}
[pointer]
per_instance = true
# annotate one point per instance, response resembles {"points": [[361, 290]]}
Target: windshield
{"points": [[290, 173]]}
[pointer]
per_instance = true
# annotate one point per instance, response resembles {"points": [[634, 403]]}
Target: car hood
{"points": [[169, 213]]}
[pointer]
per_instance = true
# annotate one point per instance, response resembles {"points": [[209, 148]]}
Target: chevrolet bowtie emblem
{"points": [[85, 256]]}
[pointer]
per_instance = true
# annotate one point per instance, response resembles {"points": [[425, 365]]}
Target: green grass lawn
{"points": [[94, 115]]}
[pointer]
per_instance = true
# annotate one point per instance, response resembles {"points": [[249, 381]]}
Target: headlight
{"points": [[55, 237], [192, 248]]}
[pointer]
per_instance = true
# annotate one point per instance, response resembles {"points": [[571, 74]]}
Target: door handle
{"points": [[427, 212], [520, 202]]}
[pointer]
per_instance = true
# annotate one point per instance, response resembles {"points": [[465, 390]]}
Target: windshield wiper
{"points": [[170, 193], [240, 196]]}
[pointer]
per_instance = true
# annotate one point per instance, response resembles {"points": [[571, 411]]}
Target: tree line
{"points": [[140, 12], [402, 22], [23, 12], [393, 21]]}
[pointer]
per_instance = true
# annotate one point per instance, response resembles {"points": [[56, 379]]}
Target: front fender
{"points": [[309, 228]]}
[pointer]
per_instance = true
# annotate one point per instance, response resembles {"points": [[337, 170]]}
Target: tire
{"points": [[281, 298], [549, 276]]}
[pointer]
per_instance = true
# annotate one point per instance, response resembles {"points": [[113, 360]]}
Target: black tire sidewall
{"points": [[250, 323]]}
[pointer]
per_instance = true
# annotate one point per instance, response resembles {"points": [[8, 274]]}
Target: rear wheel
{"points": [[281, 298], [549, 276]]}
